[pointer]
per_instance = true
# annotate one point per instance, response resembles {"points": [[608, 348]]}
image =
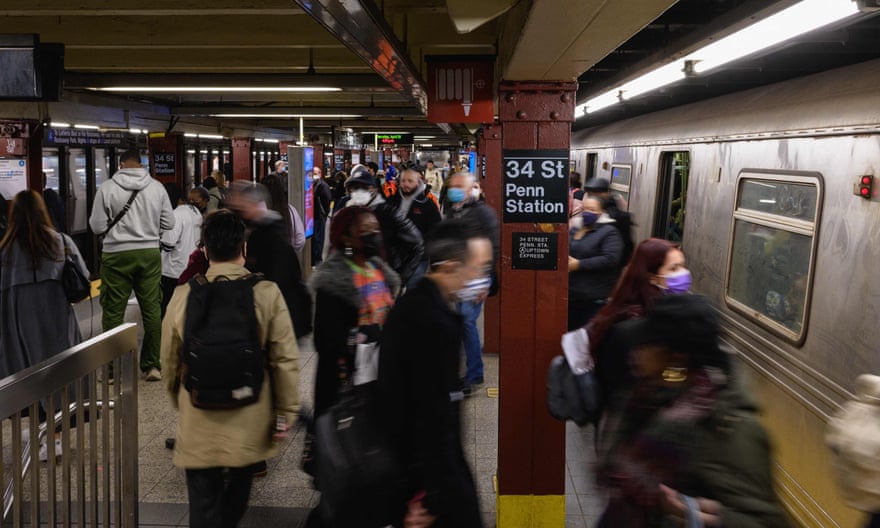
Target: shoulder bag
{"points": [[121, 213], [76, 285]]}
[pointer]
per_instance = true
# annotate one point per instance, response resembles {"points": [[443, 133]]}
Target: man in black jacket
{"points": [[321, 208], [269, 252], [420, 394], [404, 245]]}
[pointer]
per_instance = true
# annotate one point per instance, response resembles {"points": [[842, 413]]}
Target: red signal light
{"points": [[865, 187]]}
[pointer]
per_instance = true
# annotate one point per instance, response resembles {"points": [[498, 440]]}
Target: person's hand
{"points": [[673, 506], [573, 264], [417, 516]]}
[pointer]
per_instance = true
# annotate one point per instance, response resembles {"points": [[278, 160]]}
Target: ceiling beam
{"points": [[355, 82], [266, 112], [93, 8]]}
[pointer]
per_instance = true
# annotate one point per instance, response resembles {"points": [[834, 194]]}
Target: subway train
{"points": [[774, 195]]}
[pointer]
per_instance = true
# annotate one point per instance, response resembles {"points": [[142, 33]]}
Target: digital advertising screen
{"points": [[308, 212]]}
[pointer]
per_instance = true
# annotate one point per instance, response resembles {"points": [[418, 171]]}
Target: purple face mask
{"points": [[678, 282]]}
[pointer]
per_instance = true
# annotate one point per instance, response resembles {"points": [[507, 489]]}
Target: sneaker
{"points": [[153, 375], [44, 451]]}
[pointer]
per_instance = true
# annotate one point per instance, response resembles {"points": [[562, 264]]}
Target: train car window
{"points": [[672, 196], [621, 176], [772, 248]]}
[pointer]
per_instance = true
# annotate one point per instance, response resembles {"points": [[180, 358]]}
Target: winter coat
{"points": [[419, 209], [404, 245], [180, 241], [150, 212], [598, 254], [705, 441], [322, 198], [243, 436], [420, 401], [215, 199], [337, 303]]}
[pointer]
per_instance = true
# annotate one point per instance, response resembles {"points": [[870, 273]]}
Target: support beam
{"points": [[270, 111], [357, 82]]}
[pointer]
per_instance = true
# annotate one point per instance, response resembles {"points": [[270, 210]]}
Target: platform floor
{"points": [[284, 497]]}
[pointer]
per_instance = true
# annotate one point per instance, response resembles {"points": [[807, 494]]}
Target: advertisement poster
{"points": [[309, 196], [13, 177]]}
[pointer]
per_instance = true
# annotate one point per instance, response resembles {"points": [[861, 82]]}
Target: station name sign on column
{"points": [[535, 186]]}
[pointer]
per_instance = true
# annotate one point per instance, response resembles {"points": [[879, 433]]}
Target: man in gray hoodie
{"points": [[130, 211]]}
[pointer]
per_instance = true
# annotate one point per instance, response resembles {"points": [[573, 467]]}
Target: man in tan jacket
{"points": [[218, 447]]}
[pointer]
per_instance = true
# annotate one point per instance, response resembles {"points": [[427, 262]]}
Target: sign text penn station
{"points": [[535, 188]]}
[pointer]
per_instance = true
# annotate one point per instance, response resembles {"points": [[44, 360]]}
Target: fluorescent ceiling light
{"points": [[59, 125], [287, 116], [220, 89], [798, 19], [137, 131], [190, 151], [210, 136], [651, 81], [86, 127], [190, 134], [271, 140], [602, 101]]}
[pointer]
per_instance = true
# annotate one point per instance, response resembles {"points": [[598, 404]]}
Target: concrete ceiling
{"points": [[228, 43]]}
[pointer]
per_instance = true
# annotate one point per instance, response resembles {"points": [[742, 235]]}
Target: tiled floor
{"points": [[284, 497]]}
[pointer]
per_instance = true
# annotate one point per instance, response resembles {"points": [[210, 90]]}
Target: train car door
{"points": [[671, 196]]}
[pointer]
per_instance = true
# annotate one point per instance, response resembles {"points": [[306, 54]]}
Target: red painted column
{"points": [[241, 158], [489, 176], [166, 157], [535, 116]]}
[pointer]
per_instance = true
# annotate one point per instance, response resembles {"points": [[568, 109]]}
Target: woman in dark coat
{"points": [[594, 252], [686, 447]]}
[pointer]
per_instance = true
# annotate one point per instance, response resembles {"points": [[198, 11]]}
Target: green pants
{"points": [[141, 270]]}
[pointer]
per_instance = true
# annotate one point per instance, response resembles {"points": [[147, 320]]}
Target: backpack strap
{"points": [[124, 210]]}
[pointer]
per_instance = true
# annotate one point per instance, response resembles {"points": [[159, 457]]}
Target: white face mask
{"points": [[473, 289], [360, 197], [475, 193]]}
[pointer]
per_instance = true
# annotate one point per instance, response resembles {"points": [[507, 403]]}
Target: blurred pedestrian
{"points": [[178, 242], [290, 217]]}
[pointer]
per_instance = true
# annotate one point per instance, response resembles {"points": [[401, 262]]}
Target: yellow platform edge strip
{"points": [[530, 511]]}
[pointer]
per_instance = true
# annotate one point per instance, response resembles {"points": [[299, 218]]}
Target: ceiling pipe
{"points": [[362, 28]]}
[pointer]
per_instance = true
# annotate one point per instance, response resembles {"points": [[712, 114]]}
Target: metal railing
{"points": [[91, 433]]}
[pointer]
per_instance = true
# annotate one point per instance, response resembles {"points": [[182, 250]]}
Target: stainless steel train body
{"points": [[777, 236]]}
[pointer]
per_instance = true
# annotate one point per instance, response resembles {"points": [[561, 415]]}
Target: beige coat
{"points": [[236, 437]]}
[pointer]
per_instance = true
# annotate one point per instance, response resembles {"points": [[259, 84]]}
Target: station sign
{"points": [[535, 251], [164, 163], [460, 89], [535, 186], [389, 139], [78, 136]]}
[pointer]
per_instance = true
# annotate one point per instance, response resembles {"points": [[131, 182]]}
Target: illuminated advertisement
{"points": [[308, 194]]}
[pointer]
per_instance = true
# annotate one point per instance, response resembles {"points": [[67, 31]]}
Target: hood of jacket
{"points": [[132, 179], [334, 277]]}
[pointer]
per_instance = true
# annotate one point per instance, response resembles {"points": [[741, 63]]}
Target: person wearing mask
{"points": [[199, 197], [354, 291], [37, 321], [178, 242], [292, 221], [403, 243], [657, 268], [130, 211], [594, 250], [685, 446], [322, 198], [612, 204], [338, 191], [269, 250], [464, 204], [420, 393]]}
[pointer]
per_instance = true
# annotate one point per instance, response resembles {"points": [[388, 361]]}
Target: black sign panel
{"points": [[535, 186], [389, 139], [163, 163], [535, 251], [78, 136]]}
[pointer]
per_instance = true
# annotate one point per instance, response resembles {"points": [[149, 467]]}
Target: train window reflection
{"points": [[771, 250], [791, 200]]}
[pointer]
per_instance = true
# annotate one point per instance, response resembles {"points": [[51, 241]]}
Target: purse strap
{"points": [[121, 213]]}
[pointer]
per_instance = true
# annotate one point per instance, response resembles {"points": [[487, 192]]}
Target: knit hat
{"points": [[360, 174]]}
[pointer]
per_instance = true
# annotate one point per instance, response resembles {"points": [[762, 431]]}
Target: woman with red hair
{"points": [[657, 267]]}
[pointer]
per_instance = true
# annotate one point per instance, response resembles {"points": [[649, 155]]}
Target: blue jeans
{"points": [[473, 349]]}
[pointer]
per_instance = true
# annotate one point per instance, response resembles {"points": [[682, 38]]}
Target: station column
{"points": [[536, 122]]}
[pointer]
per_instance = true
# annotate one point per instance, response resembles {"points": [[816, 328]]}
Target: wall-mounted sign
{"points": [[12, 146], [535, 251], [535, 186], [13, 177], [79, 136], [164, 164], [460, 91], [388, 139]]}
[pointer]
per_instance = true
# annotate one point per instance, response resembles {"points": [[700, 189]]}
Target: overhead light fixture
{"points": [[213, 89], [288, 116], [803, 17], [270, 140], [210, 136], [86, 127], [190, 134], [55, 124]]}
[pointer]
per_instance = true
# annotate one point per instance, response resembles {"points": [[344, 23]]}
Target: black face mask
{"points": [[371, 245]]}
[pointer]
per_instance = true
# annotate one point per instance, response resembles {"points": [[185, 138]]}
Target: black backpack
{"points": [[223, 363]]}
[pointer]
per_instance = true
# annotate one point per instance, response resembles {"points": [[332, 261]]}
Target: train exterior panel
{"points": [[777, 236]]}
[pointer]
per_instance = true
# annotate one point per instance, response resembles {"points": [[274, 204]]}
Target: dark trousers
{"points": [[168, 285], [218, 497], [318, 241], [874, 522], [581, 312]]}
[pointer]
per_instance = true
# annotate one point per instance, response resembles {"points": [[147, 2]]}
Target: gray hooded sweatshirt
{"points": [[149, 215]]}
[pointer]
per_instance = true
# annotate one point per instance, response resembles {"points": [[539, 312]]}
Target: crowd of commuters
{"points": [[412, 252]]}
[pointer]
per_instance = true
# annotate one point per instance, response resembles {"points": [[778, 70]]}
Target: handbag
{"points": [[76, 285], [571, 396]]}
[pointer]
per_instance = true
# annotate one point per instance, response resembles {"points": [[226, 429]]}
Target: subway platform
{"points": [[284, 497]]}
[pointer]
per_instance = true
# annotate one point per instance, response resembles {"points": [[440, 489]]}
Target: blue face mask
{"points": [[455, 195], [589, 218]]}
